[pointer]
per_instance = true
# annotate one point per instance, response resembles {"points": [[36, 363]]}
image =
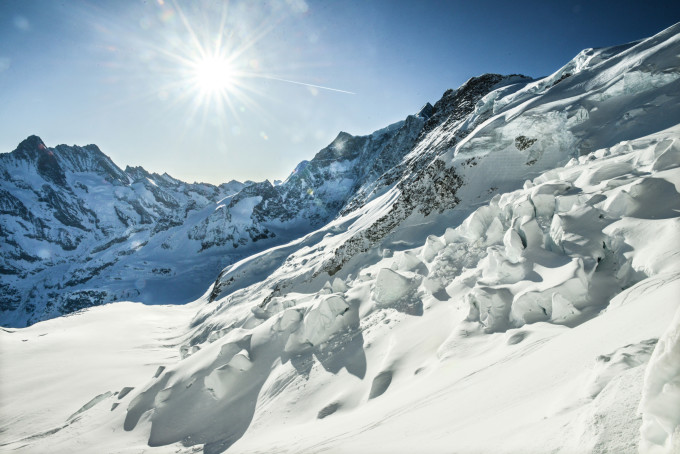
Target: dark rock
{"points": [[524, 142], [426, 111]]}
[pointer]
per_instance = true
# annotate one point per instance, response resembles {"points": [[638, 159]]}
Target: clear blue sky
{"points": [[122, 74]]}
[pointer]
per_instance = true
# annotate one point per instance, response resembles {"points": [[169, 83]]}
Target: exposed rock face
{"points": [[426, 111], [524, 142], [426, 186]]}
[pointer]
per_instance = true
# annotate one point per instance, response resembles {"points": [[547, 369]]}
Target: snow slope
{"points": [[511, 284]]}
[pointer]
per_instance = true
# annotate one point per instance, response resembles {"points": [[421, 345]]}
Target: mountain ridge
{"points": [[157, 215], [159, 205]]}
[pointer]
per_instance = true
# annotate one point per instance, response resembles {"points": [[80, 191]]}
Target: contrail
{"points": [[308, 85]]}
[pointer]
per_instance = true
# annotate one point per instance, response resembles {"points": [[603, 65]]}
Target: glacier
{"points": [[497, 273]]}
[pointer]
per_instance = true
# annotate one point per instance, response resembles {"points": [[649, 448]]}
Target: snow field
{"points": [[528, 288]]}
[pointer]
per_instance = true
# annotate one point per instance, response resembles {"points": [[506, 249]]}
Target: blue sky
{"points": [[122, 74]]}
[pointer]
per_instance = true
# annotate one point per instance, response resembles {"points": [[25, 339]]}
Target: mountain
{"points": [[76, 229], [497, 272], [82, 232], [79, 231]]}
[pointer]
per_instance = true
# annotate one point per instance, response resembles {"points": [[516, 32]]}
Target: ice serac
{"points": [[546, 270], [518, 206]]}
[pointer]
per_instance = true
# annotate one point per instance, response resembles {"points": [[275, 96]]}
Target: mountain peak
{"points": [[93, 148], [455, 105], [426, 111], [492, 80], [31, 143], [341, 148]]}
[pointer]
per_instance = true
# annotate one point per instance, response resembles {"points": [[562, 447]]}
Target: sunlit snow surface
{"points": [[537, 316]]}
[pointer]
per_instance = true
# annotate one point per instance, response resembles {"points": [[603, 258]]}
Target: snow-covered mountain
{"points": [[79, 231], [76, 230], [498, 273]]}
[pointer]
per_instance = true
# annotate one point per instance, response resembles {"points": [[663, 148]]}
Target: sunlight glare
{"points": [[214, 75]]}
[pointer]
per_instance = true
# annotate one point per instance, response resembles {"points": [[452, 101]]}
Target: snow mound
{"points": [[660, 404], [393, 289]]}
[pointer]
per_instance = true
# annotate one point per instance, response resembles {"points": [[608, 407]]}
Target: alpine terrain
{"points": [[499, 272]]}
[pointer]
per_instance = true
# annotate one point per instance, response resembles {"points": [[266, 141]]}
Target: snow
{"points": [[317, 370], [540, 314], [660, 404], [392, 287], [69, 368]]}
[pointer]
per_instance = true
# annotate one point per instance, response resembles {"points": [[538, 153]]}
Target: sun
{"points": [[214, 75]]}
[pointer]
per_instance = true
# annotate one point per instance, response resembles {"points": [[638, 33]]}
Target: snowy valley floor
{"points": [[541, 388], [537, 325]]}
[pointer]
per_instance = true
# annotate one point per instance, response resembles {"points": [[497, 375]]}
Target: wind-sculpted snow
{"points": [[660, 405], [225, 390], [555, 252], [515, 267]]}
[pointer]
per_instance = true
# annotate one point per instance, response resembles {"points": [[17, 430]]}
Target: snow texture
{"points": [[660, 405], [502, 276]]}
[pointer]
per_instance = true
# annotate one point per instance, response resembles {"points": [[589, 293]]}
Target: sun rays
{"points": [[214, 66], [219, 66]]}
